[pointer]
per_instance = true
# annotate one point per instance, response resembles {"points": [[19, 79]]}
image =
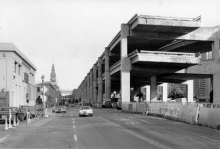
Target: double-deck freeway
{"points": [[108, 129]]}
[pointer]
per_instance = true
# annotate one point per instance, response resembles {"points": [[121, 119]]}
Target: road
{"points": [[108, 129]]}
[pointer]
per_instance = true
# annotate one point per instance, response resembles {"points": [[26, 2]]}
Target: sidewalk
{"points": [[5, 133]]}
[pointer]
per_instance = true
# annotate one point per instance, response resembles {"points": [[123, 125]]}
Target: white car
{"points": [[85, 111]]}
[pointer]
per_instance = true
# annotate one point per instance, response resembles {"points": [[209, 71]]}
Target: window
{"points": [[15, 64], [26, 78], [19, 69], [38, 89]]}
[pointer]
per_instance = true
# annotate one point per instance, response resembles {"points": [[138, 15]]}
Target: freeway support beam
{"points": [[125, 65], [216, 76], [190, 90], [95, 84], [100, 82], [107, 76], [88, 100], [153, 88], [91, 87]]}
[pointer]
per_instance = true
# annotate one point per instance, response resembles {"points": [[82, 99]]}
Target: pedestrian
{"points": [[139, 95], [146, 107]]}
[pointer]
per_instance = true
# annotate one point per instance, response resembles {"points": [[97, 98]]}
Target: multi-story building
{"points": [[17, 76]]}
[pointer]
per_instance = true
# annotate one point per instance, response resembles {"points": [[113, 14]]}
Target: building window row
{"points": [[17, 68]]}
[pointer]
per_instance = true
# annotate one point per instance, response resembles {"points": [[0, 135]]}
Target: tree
{"points": [[39, 101], [175, 93]]}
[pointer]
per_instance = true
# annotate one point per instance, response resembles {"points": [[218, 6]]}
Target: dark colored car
{"points": [[32, 110], [23, 113]]}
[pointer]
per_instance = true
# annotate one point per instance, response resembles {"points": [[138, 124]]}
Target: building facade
{"points": [[17, 76], [52, 94]]}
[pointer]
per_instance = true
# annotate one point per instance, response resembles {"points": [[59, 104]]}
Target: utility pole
{"points": [[42, 77]]}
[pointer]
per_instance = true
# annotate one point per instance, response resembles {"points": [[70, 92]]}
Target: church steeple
{"points": [[53, 76]]}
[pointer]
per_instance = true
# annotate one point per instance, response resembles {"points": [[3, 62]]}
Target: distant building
{"points": [[17, 76], [53, 76], [52, 94]]}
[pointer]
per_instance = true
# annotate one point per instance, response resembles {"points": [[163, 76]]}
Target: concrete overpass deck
{"points": [[120, 65]]}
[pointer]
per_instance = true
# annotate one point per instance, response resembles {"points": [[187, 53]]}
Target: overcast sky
{"points": [[72, 34]]}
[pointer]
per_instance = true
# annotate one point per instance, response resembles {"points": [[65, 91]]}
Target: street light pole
{"points": [[42, 77]]}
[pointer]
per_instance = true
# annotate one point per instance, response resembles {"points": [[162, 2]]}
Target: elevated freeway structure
{"points": [[151, 50]]}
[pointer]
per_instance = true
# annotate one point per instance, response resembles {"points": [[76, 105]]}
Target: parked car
{"points": [[57, 110], [23, 113], [32, 110], [40, 111], [63, 109], [4, 113], [85, 111], [53, 109]]}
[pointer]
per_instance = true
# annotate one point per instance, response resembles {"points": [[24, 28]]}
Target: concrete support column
{"points": [[107, 76], [165, 85], [216, 76], [100, 82], [91, 87], [190, 90], [153, 88], [216, 85], [136, 89], [125, 65], [88, 88], [95, 84], [215, 49], [148, 93], [84, 89]]}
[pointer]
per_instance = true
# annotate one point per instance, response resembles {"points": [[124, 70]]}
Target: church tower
{"points": [[53, 76]]}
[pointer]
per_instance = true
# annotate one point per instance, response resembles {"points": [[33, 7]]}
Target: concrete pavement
{"points": [[109, 129]]}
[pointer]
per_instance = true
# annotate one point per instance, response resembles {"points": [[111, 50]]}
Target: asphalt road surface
{"points": [[108, 129]]}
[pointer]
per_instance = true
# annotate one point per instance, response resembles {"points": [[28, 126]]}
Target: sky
{"points": [[72, 34]]}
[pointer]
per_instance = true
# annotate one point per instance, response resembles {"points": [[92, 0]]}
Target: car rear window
{"points": [[23, 109], [85, 108]]}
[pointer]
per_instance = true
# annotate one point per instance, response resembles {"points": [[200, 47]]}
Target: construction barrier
{"points": [[209, 117], [132, 107], [125, 106], [188, 114], [140, 108], [193, 113]]}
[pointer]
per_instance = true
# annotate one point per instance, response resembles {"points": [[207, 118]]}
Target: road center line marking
{"points": [[146, 121], [208, 138], [73, 121], [74, 127], [75, 138], [2, 139]]}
